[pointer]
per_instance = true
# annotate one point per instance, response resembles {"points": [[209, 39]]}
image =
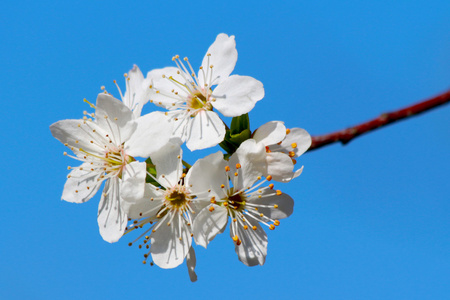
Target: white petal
{"points": [[111, 219], [191, 261], [252, 158], [181, 123], [205, 130], [153, 131], [144, 207], [253, 249], [208, 173], [297, 136], [114, 117], [280, 166], [223, 57], [168, 163], [284, 202], [237, 95], [77, 134], [133, 183], [162, 94], [81, 185], [167, 249], [270, 133], [137, 92], [208, 224]]}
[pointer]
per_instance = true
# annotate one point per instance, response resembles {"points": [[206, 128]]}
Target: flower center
{"points": [[177, 198], [236, 201], [115, 161], [196, 101]]}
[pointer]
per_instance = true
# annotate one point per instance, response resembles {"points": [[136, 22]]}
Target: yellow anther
{"points": [[275, 206], [269, 177], [236, 174], [294, 161], [65, 153], [254, 227], [271, 186], [222, 186], [69, 167], [288, 130], [294, 145], [279, 192], [211, 208], [234, 220], [276, 222], [125, 75], [245, 227], [261, 215], [235, 238], [213, 199], [238, 166], [225, 204], [291, 154], [227, 168]]}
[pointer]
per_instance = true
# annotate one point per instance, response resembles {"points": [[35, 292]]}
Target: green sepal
{"points": [[236, 134], [151, 168]]}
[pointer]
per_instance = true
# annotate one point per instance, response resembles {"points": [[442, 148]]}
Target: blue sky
{"points": [[371, 218]]}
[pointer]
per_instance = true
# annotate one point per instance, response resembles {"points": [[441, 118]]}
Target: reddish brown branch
{"points": [[346, 135]]}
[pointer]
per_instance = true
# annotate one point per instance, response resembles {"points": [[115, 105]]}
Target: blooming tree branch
{"points": [[168, 204], [346, 135]]}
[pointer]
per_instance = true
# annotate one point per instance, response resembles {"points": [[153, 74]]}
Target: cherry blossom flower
{"points": [[106, 148], [237, 192], [169, 211], [191, 98], [283, 146], [137, 92]]}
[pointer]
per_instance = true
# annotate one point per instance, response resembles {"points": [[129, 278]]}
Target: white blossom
{"points": [[239, 195], [191, 97], [282, 146], [137, 92], [106, 147], [168, 211]]}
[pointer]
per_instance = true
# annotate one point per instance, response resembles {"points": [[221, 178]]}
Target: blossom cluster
{"points": [[150, 189]]}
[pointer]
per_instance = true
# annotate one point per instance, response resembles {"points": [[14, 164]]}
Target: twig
{"points": [[346, 135]]}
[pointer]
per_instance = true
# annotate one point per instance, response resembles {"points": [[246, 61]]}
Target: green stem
{"points": [[186, 165]]}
